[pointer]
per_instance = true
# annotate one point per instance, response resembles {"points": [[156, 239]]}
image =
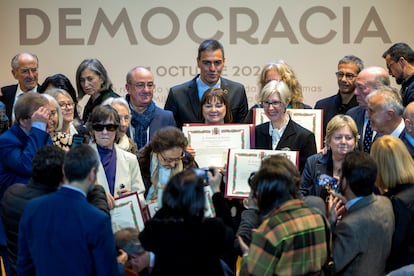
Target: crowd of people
{"points": [[346, 207]]}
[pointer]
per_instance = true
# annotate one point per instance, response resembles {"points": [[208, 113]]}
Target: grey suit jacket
{"points": [[184, 103], [362, 239]]}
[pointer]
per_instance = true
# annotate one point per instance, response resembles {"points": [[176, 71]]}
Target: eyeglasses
{"points": [[275, 104], [348, 76], [108, 127], [142, 85], [171, 160], [66, 105], [390, 64]]}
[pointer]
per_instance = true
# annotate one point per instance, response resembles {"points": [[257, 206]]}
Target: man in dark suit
{"points": [[399, 59], [19, 144], [367, 81], [25, 71], [408, 137], [146, 116], [340, 103], [184, 99], [47, 175], [364, 234], [61, 233], [385, 112]]}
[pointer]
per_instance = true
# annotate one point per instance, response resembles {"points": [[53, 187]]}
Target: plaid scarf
{"points": [[141, 122]]}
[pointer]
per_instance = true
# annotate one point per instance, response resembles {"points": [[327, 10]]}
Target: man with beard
{"points": [[61, 233], [399, 59], [348, 69]]}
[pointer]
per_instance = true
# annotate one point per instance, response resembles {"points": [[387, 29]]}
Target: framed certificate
{"points": [[152, 208], [310, 119], [242, 162], [127, 213], [211, 142], [209, 210]]}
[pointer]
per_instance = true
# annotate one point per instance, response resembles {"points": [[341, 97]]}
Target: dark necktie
{"points": [[368, 137]]}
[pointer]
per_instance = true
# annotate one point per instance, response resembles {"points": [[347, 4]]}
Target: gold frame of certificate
{"points": [[243, 162], [211, 142], [127, 213], [310, 119]]}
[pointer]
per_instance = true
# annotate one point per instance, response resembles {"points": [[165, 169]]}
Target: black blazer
{"points": [[9, 93], [358, 114], [295, 137], [184, 103]]}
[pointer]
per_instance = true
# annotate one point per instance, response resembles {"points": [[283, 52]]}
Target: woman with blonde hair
{"points": [[280, 71], [341, 137], [395, 179]]}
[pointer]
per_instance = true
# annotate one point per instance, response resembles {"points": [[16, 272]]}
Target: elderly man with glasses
{"points": [[146, 117]]}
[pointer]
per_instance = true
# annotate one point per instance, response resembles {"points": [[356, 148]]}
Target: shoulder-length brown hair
{"points": [[221, 96]]}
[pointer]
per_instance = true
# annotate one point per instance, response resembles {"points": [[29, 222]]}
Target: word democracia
{"points": [[224, 25]]}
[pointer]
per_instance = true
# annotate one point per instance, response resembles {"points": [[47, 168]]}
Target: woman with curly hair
{"points": [[281, 71]]}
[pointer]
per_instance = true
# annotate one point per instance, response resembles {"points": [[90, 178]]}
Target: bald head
{"points": [[140, 87], [24, 70], [368, 80], [137, 71]]}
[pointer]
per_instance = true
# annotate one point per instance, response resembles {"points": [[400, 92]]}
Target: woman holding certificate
{"points": [[162, 158], [118, 171], [183, 240], [281, 132], [214, 110]]}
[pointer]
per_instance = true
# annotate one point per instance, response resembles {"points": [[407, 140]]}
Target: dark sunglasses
{"points": [[109, 127]]}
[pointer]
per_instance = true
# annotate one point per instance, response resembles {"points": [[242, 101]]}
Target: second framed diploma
{"points": [[243, 162], [127, 213]]}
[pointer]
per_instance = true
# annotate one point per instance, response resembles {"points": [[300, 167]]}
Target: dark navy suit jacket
{"points": [[358, 114], [62, 234], [333, 106], [184, 103], [9, 92], [17, 150]]}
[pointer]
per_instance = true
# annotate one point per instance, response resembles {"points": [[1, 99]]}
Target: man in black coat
{"points": [[184, 99], [47, 175], [25, 70]]}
